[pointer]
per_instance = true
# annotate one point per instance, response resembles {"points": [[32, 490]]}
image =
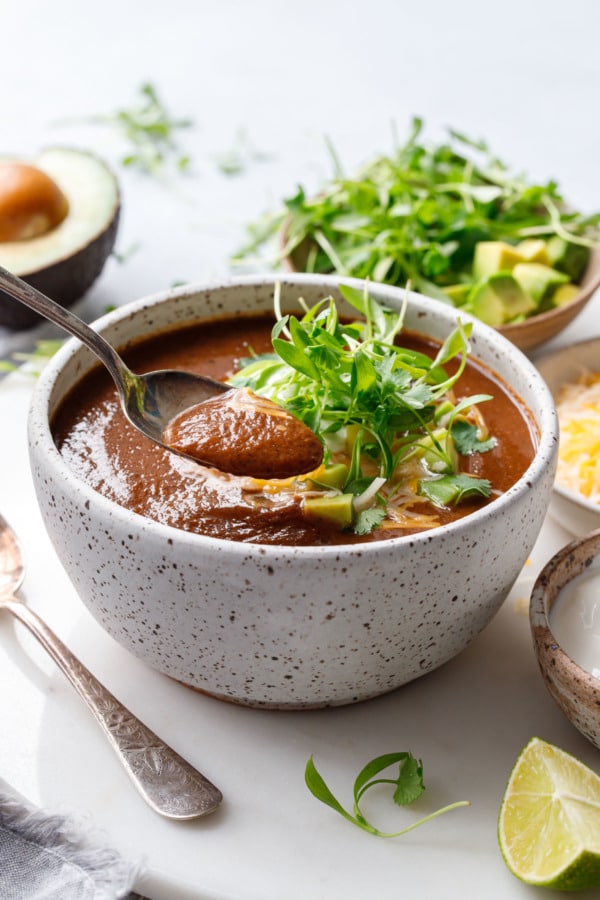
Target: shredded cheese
{"points": [[578, 406]]}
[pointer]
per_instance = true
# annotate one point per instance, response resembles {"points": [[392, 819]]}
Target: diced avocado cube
{"points": [[564, 294], [334, 508], [331, 476], [533, 250], [567, 257], [499, 299], [539, 281], [458, 293], [494, 256]]}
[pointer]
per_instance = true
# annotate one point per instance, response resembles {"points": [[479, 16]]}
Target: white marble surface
{"points": [[526, 77]]}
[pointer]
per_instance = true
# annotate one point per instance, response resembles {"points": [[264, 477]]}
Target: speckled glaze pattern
{"points": [[287, 627], [575, 691]]}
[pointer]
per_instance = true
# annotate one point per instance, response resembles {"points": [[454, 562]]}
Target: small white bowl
{"points": [[575, 691], [574, 512]]}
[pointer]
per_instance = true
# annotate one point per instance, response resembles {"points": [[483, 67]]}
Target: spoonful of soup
{"points": [[230, 429]]}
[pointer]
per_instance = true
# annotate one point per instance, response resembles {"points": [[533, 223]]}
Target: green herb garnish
{"points": [[448, 490], [124, 256], [236, 160], [416, 215], [34, 361], [466, 438], [150, 131], [368, 519], [408, 787], [385, 413]]}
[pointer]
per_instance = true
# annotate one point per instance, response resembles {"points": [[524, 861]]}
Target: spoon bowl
{"points": [[153, 400], [149, 401]]}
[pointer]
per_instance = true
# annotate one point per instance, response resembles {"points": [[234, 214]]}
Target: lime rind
{"points": [[549, 822]]}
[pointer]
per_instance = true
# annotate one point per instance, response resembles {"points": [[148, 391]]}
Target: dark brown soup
{"points": [[107, 453]]}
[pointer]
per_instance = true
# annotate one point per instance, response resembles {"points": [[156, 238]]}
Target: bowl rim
{"points": [[555, 355], [557, 358], [539, 613], [545, 453], [577, 499]]}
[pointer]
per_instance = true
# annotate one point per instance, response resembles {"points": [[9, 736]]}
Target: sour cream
{"points": [[575, 620]]}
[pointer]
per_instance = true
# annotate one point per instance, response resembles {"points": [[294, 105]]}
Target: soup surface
{"points": [[105, 451]]}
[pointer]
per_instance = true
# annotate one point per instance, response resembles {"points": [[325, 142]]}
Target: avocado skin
{"points": [[65, 281]]}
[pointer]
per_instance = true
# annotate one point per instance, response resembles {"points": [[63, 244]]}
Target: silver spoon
{"points": [[167, 782], [152, 401], [149, 401]]}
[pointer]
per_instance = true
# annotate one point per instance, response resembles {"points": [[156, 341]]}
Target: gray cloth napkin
{"points": [[46, 855]]}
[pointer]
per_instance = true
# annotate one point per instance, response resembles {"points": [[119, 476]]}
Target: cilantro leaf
{"points": [[466, 440], [368, 519], [410, 781]]}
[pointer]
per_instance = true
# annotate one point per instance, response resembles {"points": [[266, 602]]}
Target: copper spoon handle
{"points": [[167, 782]]}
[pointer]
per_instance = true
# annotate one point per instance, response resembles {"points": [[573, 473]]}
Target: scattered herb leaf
{"points": [[32, 363], [235, 160], [125, 255], [408, 787], [150, 131]]}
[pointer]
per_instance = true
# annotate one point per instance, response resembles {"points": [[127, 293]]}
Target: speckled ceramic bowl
{"points": [[575, 690], [287, 626]]}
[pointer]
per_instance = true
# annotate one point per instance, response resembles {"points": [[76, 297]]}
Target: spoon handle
{"points": [[167, 782], [64, 318]]}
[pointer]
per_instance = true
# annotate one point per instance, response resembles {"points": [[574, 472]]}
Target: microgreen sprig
{"points": [[32, 362], [408, 786], [150, 131], [415, 215], [369, 398]]}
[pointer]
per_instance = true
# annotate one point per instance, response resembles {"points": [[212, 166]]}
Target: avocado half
{"points": [[65, 261]]}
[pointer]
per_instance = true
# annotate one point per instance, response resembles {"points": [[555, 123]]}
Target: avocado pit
{"points": [[59, 215], [31, 203]]}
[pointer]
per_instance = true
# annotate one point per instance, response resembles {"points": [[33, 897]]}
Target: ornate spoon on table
{"points": [[167, 782]]}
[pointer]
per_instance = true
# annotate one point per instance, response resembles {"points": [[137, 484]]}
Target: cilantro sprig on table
{"points": [[365, 395], [416, 215], [408, 787]]}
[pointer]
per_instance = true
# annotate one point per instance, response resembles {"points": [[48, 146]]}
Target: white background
{"points": [[526, 77]]}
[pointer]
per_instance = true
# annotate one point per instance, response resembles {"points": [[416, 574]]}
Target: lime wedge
{"points": [[549, 823]]}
